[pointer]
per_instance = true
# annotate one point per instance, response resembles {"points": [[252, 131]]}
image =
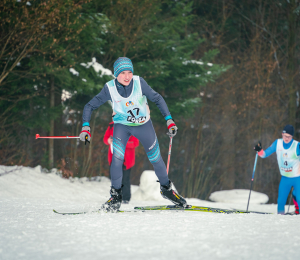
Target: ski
{"points": [[168, 207], [90, 212], [197, 208], [75, 213]]}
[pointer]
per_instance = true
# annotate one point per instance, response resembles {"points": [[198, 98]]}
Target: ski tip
{"points": [[37, 136]]}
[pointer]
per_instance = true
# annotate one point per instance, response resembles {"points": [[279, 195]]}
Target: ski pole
{"points": [[37, 136], [290, 200], [169, 154], [252, 179]]}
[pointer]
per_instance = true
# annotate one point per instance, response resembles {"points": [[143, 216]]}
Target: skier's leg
{"points": [[296, 193], [126, 185], [146, 134], [285, 186], [120, 138]]}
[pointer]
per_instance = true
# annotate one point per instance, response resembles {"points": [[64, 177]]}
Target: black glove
{"points": [[258, 147]]}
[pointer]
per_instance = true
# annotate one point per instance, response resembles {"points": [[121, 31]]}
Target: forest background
{"points": [[228, 70]]}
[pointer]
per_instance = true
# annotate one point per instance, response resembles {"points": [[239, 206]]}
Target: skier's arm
{"points": [[268, 151], [298, 150], [93, 104], [155, 98]]}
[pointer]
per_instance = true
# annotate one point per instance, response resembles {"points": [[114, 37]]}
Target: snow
{"points": [[98, 68], [149, 188], [238, 196], [193, 62], [30, 230], [65, 95], [74, 72]]}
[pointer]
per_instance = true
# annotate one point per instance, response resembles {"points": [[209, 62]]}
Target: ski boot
{"points": [[167, 192], [114, 203]]}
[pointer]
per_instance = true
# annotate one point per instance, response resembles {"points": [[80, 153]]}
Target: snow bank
{"points": [[27, 182], [149, 188], [239, 196]]}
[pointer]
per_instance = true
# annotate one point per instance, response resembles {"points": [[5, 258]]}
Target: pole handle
{"points": [[86, 140]]}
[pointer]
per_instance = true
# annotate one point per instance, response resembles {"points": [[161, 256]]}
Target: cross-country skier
{"points": [[288, 152], [128, 94]]}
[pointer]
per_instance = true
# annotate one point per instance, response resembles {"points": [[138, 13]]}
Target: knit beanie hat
{"points": [[122, 64], [288, 129]]}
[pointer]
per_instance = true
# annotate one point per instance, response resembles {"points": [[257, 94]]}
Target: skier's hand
{"points": [[258, 147], [172, 127], [85, 134]]}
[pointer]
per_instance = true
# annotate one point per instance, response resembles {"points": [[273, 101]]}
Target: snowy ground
{"points": [[30, 230]]}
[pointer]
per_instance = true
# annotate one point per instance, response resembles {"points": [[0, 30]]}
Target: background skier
{"points": [[288, 152], [128, 95]]}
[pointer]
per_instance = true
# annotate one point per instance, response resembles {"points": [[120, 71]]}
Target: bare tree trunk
{"points": [[75, 163], [51, 141], [58, 127], [292, 17], [228, 146], [87, 162]]}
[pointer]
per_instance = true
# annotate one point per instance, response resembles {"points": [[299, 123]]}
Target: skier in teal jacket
{"points": [[128, 94]]}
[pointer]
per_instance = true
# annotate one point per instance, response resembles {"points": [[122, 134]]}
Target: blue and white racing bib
{"points": [[288, 161], [130, 111]]}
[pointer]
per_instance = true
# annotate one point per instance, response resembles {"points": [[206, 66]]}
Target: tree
{"points": [[29, 30]]}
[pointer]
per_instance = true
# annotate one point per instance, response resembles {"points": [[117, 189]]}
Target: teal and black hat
{"points": [[122, 64]]}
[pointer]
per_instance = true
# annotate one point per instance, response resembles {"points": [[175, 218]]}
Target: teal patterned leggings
{"points": [[146, 135]]}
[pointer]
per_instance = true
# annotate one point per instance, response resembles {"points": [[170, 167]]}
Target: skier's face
{"points": [[125, 77], [287, 138]]}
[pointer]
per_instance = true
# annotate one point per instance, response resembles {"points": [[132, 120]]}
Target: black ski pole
{"points": [[252, 179], [290, 200]]}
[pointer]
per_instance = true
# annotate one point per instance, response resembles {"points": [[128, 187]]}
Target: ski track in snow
{"points": [[29, 229]]}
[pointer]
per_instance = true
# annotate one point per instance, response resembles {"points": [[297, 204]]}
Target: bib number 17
{"points": [[135, 119]]}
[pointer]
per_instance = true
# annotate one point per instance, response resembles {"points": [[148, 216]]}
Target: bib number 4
{"points": [[135, 119]]}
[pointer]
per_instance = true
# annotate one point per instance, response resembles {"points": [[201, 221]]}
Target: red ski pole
{"points": [[169, 154], [37, 136]]}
